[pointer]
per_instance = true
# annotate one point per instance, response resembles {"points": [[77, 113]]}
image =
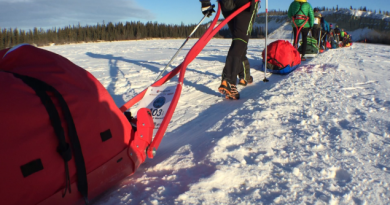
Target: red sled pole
{"points": [[191, 55]]}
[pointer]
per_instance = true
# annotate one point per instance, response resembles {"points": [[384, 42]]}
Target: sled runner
{"points": [[64, 140]]}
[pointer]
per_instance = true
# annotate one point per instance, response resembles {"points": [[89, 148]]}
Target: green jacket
{"points": [[306, 10]]}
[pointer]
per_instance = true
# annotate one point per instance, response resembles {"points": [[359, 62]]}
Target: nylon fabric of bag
{"points": [[281, 54], [28, 137], [311, 47]]}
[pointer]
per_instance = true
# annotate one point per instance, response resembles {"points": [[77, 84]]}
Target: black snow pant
{"points": [[337, 37], [324, 40], [315, 32], [240, 26], [304, 32]]}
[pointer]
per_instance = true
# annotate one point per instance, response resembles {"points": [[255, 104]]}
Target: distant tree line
{"points": [[257, 32], [100, 32], [273, 12], [362, 8], [104, 32]]}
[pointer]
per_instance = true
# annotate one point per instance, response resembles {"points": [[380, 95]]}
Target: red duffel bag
{"points": [[281, 54], [63, 139]]}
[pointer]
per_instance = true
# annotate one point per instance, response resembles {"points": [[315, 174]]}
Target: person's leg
{"points": [[304, 32], [239, 26], [315, 33], [296, 39], [325, 40], [244, 73]]}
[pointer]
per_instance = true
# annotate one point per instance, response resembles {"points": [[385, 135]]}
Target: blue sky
{"points": [[27, 14]]}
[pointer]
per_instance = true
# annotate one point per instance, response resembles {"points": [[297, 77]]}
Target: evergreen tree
{"points": [[15, 37]]}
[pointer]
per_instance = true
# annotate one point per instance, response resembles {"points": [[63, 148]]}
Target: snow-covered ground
{"points": [[274, 22], [319, 135], [283, 32]]}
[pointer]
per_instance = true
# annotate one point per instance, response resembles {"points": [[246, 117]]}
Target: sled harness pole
{"points": [[196, 28], [299, 17], [266, 47], [191, 55]]}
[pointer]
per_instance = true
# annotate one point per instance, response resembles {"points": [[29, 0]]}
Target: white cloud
{"points": [[58, 13]]}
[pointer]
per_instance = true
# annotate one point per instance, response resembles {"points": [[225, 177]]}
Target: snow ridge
{"points": [[319, 135]]}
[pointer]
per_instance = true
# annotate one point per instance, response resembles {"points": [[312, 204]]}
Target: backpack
{"points": [[281, 54], [63, 138], [328, 45], [333, 42], [317, 20]]}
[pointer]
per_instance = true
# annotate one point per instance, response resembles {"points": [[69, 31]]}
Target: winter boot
{"points": [[244, 82], [229, 90], [245, 73]]}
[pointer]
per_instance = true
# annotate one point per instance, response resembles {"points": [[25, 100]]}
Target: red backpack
{"points": [[328, 45], [281, 54], [63, 139]]}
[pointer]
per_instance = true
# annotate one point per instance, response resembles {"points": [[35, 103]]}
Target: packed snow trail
{"points": [[319, 135]]}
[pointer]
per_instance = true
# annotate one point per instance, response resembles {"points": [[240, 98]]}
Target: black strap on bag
{"points": [[41, 88]]}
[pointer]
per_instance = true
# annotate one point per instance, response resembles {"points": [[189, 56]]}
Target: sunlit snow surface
{"points": [[319, 135]]}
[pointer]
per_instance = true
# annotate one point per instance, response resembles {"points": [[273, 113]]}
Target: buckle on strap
{"points": [[300, 17]]}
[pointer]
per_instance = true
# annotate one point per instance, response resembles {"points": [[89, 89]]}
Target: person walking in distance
{"points": [[237, 63], [337, 33], [315, 31], [325, 32], [302, 15]]}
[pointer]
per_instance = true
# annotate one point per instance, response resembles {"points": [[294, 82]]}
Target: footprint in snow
{"points": [[343, 177]]}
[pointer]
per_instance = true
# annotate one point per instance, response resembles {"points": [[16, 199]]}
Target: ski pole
{"points": [[177, 52], [266, 47]]}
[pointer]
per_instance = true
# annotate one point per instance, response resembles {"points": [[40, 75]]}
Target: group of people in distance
{"points": [[306, 19], [237, 68]]}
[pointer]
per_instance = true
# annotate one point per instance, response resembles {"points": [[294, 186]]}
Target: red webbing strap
{"points": [[299, 17], [191, 55]]}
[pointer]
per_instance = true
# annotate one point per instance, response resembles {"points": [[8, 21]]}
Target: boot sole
{"points": [[231, 98], [227, 94], [224, 91]]}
